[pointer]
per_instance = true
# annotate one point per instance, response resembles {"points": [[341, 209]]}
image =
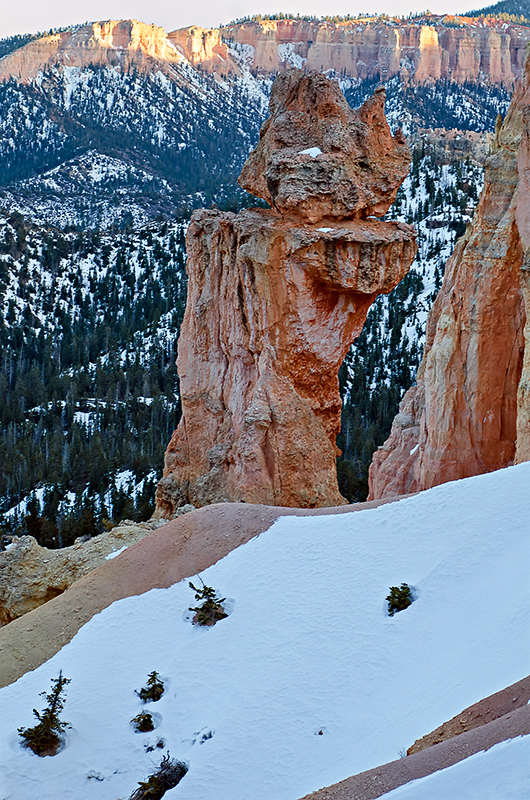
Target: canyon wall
{"points": [[469, 412], [492, 53], [123, 44], [276, 297], [465, 50]]}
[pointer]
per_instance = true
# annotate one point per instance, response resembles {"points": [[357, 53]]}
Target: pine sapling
{"points": [[143, 722], [399, 599], [44, 739], [154, 689], [211, 610]]}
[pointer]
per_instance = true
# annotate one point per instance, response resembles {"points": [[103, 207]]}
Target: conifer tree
{"points": [[211, 610], [154, 689], [399, 599], [45, 737]]}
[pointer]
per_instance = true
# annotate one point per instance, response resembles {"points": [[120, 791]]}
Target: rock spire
{"points": [[275, 298]]}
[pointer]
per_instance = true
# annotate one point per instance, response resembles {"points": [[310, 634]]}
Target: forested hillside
{"points": [[97, 147], [87, 374], [89, 345], [513, 8], [438, 199]]}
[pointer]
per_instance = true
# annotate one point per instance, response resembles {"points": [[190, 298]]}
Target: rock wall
{"points": [[123, 44], [492, 52], [276, 297], [361, 49], [470, 410]]}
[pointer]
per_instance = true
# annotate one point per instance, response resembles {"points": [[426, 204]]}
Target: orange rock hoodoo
{"points": [[470, 410], [276, 297]]}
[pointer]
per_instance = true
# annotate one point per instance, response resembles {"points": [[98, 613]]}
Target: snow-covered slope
{"points": [[308, 680], [502, 773], [101, 146]]}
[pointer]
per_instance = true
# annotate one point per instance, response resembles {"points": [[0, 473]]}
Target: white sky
{"points": [[35, 15]]}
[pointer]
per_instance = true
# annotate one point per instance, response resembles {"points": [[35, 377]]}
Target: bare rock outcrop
{"points": [[420, 51], [274, 302], [317, 158], [30, 575], [462, 49], [493, 707], [122, 44], [470, 410]]}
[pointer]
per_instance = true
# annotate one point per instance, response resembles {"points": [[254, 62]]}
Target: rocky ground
{"points": [[494, 725], [30, 575]]}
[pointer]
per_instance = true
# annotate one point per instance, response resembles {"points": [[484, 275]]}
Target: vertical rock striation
{"points": [[470, 410], [416, 51], [119, 44], [275, 298]]}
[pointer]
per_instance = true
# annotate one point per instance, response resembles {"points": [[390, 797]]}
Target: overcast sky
{"points": [[36, 15]]}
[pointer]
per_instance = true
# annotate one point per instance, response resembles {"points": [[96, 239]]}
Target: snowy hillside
{"points": [[308, 680], [95, 146], [123, 147], [88, 331], [437, 104], [502, 772]]}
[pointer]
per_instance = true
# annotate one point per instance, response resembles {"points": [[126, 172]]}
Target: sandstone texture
{"points": [[30, 575], [114, 43], [419, 51], [317, 158], [274, 302], [470, 410]]}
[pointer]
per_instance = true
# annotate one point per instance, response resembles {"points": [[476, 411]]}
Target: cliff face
{"points": [[358, 49], [124, 44], [470, 410], [368, 49], [276, 297]]}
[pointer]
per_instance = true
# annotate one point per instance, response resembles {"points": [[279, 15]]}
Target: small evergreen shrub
{"points": [[143, 722], [399, 599], [211, 610], [168, 775], [154, 689], [44, 739]]}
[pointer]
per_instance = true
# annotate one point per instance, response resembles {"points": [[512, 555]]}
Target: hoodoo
{"points": [[470, 410], [276, 296]]}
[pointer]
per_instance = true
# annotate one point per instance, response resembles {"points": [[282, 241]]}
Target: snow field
{"points": [[501, 773], [307, 647]]}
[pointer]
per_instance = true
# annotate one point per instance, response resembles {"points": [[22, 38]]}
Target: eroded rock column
{"points": [[277, 296], [470, 410]]}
